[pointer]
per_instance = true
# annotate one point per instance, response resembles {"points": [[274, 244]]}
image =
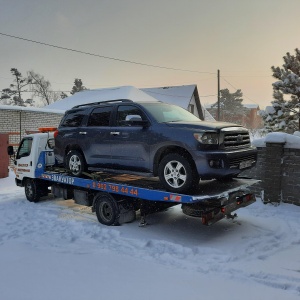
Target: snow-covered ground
{"points": [[57, 250]]}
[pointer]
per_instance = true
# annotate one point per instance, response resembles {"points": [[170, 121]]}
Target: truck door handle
{"points": [[114, 133], [82, 132]]}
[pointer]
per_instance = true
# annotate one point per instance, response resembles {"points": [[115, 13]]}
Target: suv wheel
{"points": [[177, 174], [75, 163]]}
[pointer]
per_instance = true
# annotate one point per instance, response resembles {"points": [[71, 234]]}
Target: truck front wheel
{"points": [[107, 209], [32, 191]]}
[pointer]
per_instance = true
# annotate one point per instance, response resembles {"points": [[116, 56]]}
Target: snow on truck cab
{"points": [[117, 198]]}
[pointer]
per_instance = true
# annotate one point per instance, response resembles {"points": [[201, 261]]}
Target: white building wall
{"points": [[193, 107]]}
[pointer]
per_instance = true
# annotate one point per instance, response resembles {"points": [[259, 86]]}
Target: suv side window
{"points": [[125, 110], [25, 148], [73, 119], [100, 116]]}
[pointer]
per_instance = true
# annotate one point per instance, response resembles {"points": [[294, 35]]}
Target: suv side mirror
{"points": [[10, 150], [136, 120]]}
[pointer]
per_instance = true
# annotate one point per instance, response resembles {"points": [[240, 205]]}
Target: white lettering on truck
{"points": [[62, 179]]}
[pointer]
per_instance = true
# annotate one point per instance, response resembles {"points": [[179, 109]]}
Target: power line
{"points": [[237, 89], [102, 56]]}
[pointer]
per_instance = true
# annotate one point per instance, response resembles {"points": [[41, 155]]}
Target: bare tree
{"points": [[40, 87]]}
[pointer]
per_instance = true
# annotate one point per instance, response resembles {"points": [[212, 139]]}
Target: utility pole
{"points": [[218, 95]]}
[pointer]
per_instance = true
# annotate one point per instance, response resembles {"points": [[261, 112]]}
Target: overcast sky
{"points": [[242, 38]]}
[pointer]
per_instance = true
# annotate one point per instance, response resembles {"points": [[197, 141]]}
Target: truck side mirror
{"points": [[10, 150]]}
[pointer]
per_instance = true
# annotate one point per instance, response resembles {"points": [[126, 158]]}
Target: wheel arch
{"points": [[70, 147], [162, 152]]}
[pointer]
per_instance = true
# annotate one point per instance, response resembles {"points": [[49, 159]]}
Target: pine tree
{"points": [[284, 113], [231, 107], [78, 86], [13, 94], [276, 116]]}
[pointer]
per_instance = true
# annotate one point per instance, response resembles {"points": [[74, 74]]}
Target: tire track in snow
{"points": [[47, 225]]}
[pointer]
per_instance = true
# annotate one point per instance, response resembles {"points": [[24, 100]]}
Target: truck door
{"points": [[129, 143], [24, 159]]}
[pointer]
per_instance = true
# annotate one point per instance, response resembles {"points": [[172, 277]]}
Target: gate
{"points": [[4, 158]]}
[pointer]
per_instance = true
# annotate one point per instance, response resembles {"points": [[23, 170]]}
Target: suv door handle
{"points": [[82, 132], [114, 133]]}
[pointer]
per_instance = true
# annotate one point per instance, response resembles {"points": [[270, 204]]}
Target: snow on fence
{"points": [[278, 168]]}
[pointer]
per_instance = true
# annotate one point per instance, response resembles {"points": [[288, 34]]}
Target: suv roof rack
{"points": [[101, 102]]}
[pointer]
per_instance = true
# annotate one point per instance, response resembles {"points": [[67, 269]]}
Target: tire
{"points": [[177, 173], [32, 191], [75, 163], [67, 194], [107, 210]]}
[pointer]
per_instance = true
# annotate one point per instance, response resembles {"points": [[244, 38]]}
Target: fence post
{"points": [[273, 173]]}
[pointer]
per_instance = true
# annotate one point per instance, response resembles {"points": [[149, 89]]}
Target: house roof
{"points": [[31, 108], [178, 95], [247, 105], [98, 95], [251, 106]]}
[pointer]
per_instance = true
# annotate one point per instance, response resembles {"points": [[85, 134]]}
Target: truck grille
{"points": [[234, 140], [235, 162]]}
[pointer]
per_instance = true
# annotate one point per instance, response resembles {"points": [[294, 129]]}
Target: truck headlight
{"points": [[209, 138]]}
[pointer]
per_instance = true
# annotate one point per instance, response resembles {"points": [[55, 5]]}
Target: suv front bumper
{"points": [[216, 164]]}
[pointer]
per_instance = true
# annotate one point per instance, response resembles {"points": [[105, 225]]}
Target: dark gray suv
{"points": [[151, 139]]}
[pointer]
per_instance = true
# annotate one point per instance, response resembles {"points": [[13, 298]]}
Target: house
{"points": [[249, 119], [253, 119], [17, 121], [185, 96]]}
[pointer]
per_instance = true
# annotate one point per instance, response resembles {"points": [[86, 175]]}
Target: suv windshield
{"points": [[169, 113]]}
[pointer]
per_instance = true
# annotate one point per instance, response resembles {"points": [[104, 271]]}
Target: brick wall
{"points": [[278, 168], [19, 123]]}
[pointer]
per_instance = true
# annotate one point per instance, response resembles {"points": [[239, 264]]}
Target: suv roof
{"points": [[112, 102]]}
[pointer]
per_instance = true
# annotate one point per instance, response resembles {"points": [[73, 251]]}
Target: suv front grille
{"points": [[234, 140]]}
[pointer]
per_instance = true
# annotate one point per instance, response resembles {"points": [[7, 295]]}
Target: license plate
{"points": [[245, 164]]}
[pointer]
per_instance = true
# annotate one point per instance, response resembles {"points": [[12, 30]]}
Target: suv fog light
{"points": [[216, 163]]}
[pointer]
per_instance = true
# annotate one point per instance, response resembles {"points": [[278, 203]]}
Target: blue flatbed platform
{"points": [[143, 188]]}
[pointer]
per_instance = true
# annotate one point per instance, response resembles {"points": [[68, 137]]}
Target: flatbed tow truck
{"points": [[117, 197]]}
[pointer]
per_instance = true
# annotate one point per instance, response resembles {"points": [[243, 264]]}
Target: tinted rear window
{"points": [[100, 116], [73, 119]]}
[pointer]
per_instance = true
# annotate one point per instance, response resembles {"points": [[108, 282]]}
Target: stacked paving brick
{"points": [[278, 168]]}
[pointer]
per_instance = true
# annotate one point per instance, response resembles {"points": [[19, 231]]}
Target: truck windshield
{"points": [[163, 112], [24, 148]]}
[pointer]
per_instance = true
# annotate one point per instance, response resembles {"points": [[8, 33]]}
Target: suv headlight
{"points": [[210, 138]]}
